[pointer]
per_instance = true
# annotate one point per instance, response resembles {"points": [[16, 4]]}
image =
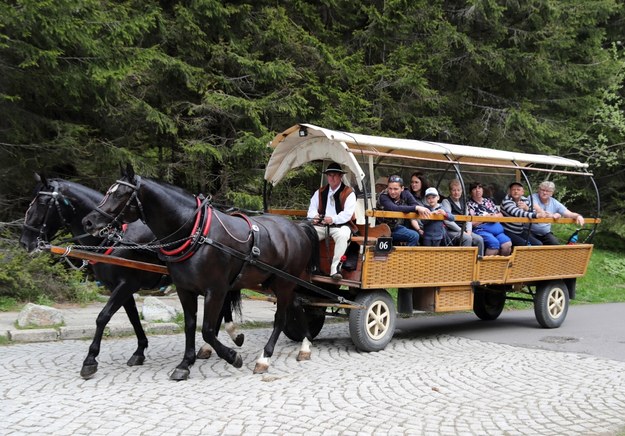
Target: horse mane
{"points": [[80, 189], [309, 229]]}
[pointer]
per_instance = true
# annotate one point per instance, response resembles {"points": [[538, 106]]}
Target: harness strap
{"points": [[110, 249], [266, 267]]}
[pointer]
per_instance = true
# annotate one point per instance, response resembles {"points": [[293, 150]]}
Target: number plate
{"points": [[383, 245]]}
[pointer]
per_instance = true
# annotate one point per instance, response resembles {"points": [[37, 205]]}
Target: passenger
{"points": [[495, 240], [380, 185], [434, 230], [331, 210], [396, 199], [515, 204], [455, 205], [418, 185], [554, 209]]}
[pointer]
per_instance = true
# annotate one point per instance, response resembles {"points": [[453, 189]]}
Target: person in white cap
{"points": [[332, 211], [434, 230]]}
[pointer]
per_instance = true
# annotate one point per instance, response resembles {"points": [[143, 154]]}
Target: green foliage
{"points": [[8, 304], [192, 92], [603, 282], [41, 279]]}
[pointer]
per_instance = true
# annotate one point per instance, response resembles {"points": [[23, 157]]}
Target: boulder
{"points": [[39, 316], [155, 310]]}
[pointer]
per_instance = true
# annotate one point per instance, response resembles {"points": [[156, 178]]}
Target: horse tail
{"points": [[309, 229], [234, 299]]}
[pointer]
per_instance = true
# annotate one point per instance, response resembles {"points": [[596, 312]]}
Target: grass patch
{"points": [[4, 340], [604, 281], [8, 304]]}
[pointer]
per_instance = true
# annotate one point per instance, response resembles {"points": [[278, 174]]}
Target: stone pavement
{"points": [[434, 385], [80, 321], [424, 383]]}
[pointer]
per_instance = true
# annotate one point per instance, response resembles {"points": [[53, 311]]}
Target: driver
{"points": [[332, 211]]}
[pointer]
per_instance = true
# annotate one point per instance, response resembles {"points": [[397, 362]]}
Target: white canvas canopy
{"points": [[304, 143]]}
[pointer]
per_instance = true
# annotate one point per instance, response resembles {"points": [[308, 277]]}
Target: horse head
{"points": [[49, 211], [119, 205]]}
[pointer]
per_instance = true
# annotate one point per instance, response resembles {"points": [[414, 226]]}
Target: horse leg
{"points": [[117, 298], [211, 316], [232, 303], [302, 320], [284, 299], [206, 351], [226, 315], [138, 357], [189, 307]]}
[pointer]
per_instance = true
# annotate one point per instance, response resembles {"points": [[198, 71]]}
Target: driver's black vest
{"points": [[339, 198]]}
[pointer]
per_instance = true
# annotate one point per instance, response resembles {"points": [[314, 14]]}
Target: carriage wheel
{"points": [[551, 303], [315, 316], [372, 328], [488, 305]]}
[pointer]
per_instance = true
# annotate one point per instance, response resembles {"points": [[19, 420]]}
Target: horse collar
{"points": [[201, 226]]}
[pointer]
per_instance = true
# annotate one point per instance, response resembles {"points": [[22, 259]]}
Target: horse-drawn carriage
{"points": [[431, 279], [214, 254]]}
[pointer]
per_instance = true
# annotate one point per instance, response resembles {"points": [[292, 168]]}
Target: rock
{"points": [[39, 316], [155, 310]]}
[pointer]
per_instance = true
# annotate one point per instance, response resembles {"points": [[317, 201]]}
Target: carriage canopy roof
{"points": [[304, 143]]}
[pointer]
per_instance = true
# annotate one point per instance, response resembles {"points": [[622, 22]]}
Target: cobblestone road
{"points": [[438, 385]]}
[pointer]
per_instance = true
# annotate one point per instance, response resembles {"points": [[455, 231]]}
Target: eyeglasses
{"points": [[396, 179]]}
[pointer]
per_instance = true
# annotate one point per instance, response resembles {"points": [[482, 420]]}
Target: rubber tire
{"points": [[551, 303], [367, 334], [314, 315], [488, 305]]}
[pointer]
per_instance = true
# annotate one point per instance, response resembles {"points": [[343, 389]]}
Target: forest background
{"points": [[192, 91]]}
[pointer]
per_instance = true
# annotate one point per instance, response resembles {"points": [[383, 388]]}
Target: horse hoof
{"points": [[238, 341], [303, 355], [136, 360], [179, 374], [261, 368], [204, 352], [88, 371], [238, 361]]}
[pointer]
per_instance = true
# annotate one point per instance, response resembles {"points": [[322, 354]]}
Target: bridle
{"points": [[116, 221], [54, 203]]}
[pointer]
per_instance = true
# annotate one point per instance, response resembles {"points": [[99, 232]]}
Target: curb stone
{"points": [[34, 335], [85, 332]]}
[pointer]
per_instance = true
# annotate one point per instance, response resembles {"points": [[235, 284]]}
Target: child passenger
{"points": [[434, 231]]}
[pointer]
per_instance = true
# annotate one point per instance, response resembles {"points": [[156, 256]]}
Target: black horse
{"points": [[60, 204], [215, 253]]}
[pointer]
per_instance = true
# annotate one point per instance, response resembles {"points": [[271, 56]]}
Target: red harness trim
{"points": [[207, 223], [110, 249], [188, 241], [249, 223]]}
